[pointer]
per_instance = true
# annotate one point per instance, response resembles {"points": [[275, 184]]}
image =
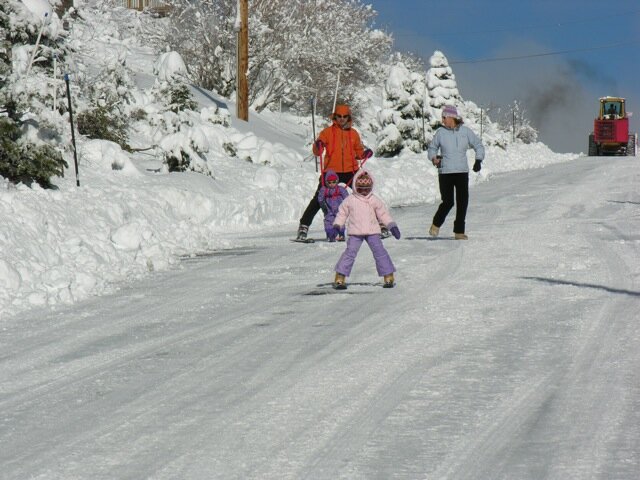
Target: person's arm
{"points": [[476, 144], [357, 145], [323, 138], [434, 146], [321, 194], [382, 212], [343, 213]]}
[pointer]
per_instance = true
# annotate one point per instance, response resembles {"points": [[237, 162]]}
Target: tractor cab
{"points": [[611, 108]]}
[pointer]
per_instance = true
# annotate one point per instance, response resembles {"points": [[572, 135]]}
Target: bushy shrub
{"points": [[180, 98], [104, 124], [26, 162], [175, 164], [527, 134]]}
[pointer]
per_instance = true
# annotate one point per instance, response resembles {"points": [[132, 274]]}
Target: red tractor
{"points": [[611, 130]]}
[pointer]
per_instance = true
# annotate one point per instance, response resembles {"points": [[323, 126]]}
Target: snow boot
{"points": [[302, 232], [340, 283], [434, 231], [460, 236], [388, 281]]}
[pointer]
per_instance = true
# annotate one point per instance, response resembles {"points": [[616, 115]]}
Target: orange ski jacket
{"points": [[343, 147]]}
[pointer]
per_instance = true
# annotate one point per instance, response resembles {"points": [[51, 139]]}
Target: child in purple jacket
{"points": [[330, 197]]}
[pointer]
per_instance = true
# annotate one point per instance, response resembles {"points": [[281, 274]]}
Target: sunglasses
{"points": [[342, 116]]}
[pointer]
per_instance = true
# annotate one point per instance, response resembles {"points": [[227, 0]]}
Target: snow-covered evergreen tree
{"points": [[442, 86], [110, 97], [403, 118], [30, 133]]}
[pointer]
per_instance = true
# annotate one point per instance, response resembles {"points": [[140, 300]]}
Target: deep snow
{"points": [[511, 355], [157, 325]]}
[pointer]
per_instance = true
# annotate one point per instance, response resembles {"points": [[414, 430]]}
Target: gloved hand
{"points": [[395, 231], [368, 153], [319, 145], [477, 166], [337, 230]]}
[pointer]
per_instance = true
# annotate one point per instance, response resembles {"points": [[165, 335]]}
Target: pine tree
{"points": [[22, 98], [403, 115], [442, 85]]}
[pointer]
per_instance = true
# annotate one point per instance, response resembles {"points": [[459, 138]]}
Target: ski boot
{"points": [[388, 281], [302, 233], [340, 283]]}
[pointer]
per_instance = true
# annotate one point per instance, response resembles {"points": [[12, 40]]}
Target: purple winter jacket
{"points": [[331, 197]]}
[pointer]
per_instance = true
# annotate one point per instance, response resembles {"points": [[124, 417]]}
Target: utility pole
{"points": [[242, 82]]}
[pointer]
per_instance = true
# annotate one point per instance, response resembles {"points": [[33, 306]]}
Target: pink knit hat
{"points": [[364, 184], [450, 111]]}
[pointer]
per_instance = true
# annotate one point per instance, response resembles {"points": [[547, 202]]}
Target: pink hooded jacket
{"points": [[365, 213]]}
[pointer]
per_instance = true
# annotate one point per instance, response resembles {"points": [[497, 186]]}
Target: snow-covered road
{"points": [[515, 355]]}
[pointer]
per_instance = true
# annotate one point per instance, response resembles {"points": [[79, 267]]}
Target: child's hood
{"points": [[328, 174], [359, 173]]}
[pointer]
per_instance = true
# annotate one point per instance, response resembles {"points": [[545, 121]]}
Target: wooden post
{"points": [[242, 82]]}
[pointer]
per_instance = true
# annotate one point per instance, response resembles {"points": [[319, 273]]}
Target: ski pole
{"points": [[359, 168], [313, 124], [55, 87], [73, 135], [335, 97]]}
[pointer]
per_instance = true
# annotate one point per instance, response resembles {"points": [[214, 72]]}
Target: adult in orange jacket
{"points": [[343, 152]]}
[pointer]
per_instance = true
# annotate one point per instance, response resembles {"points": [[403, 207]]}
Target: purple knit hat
{"points": [[450, 111]]}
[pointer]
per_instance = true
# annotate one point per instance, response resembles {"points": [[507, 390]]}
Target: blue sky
{"points": [[560, 92]]}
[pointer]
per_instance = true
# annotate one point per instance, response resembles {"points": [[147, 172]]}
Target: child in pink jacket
{"points": [[365, 213]]}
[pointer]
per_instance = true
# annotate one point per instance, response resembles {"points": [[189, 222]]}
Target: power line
{"points": [[547, 54]]}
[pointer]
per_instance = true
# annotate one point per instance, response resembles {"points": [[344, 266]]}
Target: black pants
{"points": [[448, 183], [314, 205]]}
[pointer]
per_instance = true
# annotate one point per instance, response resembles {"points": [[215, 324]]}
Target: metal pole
{"points": [[513, 123], [481, 122], [424, 138], [55, 86], [335, 97], [313, 124], [73, 135]]}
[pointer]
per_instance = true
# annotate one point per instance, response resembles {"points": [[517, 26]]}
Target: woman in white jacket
{"points": [[453, 140], [365, 213]]}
